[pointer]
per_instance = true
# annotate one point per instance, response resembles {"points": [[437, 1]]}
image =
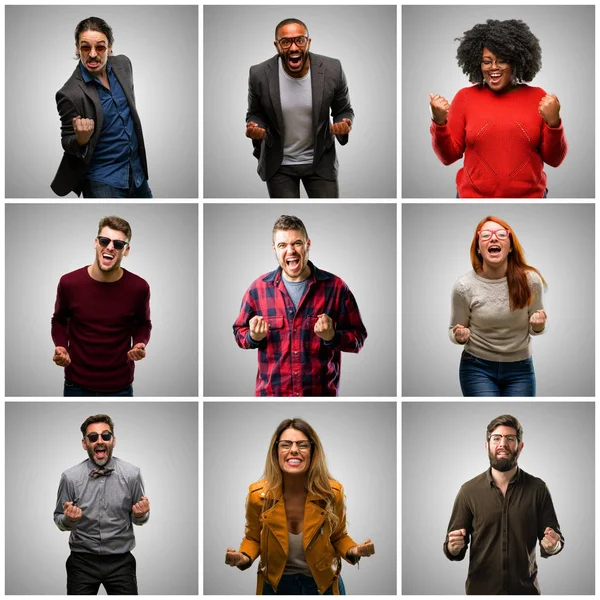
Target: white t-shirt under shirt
{"points": [[497, 333], [296, 106]]}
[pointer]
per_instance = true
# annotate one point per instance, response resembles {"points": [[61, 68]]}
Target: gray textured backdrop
{"points": [[558, 239], [359, 439], [356, 242], [443, 447], [43, 242], [43, 440], [566, 34], [363, 38], [162, 43]]}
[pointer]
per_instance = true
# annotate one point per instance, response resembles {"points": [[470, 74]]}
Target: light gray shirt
{"points": [[296, 559], [483, 305], [106, 526], [296, 106], [295, 289]]}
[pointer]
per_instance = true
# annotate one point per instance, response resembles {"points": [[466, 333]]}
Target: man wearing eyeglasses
{"points": [[101, 322], [290, 97], [101, 134], [502, 514], [98, 501]]}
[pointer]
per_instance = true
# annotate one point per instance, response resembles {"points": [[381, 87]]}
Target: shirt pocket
{"points": [[275, 322]]}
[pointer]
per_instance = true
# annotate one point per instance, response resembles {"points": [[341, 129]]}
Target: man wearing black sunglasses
{"points": [[98, 501], [101, 322], [101, 133], [290, 97]]}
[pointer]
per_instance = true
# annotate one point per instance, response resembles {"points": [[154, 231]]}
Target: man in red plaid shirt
{"points": [[300, 319]]}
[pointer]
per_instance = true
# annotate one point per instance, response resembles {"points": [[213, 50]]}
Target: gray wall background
{"points": [[162, 43], [356, 242], [443, 447], [566, 35], [363, 38], [359, 439], [43, 440], [558, 239], [43, 242]]}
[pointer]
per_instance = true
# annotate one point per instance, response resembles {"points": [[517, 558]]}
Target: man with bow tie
{"points": [[98, 501]]}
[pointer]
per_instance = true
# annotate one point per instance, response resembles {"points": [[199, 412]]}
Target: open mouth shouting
{"points": [[495, 79], [108, 259], [293, 263], [494, 249], [295, 60]]}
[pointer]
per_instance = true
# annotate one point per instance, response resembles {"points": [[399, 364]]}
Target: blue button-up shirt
{"points": [[117, 147]]}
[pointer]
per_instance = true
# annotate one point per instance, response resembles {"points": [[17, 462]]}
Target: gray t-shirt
{"points": [[296, 105], [295, 289]]}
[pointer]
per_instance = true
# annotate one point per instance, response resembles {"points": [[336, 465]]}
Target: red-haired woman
{"points": [[296, 519], [496, 307]]}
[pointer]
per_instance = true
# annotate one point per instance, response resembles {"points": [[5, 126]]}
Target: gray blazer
{"points": [[329, 91], [78, 98]]}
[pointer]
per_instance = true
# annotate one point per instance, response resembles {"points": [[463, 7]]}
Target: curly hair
{"points": [[510, 40]]}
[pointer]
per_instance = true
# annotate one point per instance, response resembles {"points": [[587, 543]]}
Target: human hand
{"points": [[367, 548], [254, 132], [139, 509], [456, 541], [233, 558], [72, 512], [61, 357], [538, 318], [324, 328], [137, 352], [439, 108], [549, 109], [258, 328], [84, 128], [550, 539], [461, 334], [342, 128]]}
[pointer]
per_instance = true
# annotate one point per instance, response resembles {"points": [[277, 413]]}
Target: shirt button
{"points": [[297, 393], [295, 351], [295, 372], [295, 330]]}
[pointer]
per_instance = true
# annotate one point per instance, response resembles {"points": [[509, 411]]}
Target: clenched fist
{"points": [[254, 132], [137, 352], [456, 541], [341, 128], [139, 509], [538, 320], [84, 128], [233, 558], [324, 328], [461, 334], [550, 539], [258, 328], [61, 356], [367, 548], [439, 108], [73, 513], [549, 109]]}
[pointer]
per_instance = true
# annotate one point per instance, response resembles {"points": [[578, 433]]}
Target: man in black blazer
{"points": [[101, 133], [289, 99]]}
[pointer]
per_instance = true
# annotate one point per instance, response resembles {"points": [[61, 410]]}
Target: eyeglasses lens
{"points": [[106, 436], [118, 244]]}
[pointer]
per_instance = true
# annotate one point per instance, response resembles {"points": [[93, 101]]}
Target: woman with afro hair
{"points": [[505, 128]]}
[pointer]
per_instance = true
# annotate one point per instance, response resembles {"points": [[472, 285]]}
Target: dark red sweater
{"points": [[505, 142], [96, 322]]}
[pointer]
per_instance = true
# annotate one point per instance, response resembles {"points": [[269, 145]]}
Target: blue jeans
{"points": [[73, 389], [97, 189], [299, 585], [479, 377]]}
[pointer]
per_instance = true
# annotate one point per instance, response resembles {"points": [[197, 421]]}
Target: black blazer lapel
{"points": [[274, 93], [317, 80]]}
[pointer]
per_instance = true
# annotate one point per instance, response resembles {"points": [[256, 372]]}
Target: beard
{"points": [[505, 463], [100, 462]]}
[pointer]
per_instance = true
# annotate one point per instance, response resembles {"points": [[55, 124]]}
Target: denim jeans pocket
{"points": [[468, 358]]}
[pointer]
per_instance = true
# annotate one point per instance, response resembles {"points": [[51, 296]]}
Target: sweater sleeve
{"points": [[143, 324], [537, 303], [553, 144], [449, 140], [460, 311], [60, 319]]}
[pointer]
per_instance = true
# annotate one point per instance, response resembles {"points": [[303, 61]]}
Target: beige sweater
{"points": [[497, 333]]}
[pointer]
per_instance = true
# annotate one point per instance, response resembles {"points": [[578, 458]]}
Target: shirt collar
{"points": [[86, 75], [516, 479], [315, 273]]}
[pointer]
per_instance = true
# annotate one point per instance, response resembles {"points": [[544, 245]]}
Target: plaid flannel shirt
{"points": [[292, 359]]}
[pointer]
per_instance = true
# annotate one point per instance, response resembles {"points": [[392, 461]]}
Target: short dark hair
{"points": [[507, 421], [93, 24], [510, 40], [117, 224], [289, 22], [97, 419], [287, 222]]}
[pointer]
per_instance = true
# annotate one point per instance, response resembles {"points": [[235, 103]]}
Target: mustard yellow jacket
{"points": [[267, 535]]}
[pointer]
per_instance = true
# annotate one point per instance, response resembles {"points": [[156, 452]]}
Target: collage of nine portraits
{"points": [[275, 252]]}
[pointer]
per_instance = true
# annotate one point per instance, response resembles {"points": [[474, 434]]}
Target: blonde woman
{"points": [[296, 519]]}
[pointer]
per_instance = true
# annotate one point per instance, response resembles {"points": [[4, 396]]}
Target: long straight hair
{"points": [[519, 290]]}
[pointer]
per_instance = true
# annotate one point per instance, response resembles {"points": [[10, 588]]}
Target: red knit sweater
{"points": [[96, 322], [505, 142]]}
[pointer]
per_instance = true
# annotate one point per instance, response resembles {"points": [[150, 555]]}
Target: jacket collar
{"points": [[316, 274]]}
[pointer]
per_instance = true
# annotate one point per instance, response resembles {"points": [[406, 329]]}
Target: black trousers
{"points": [[85, 573], [286, 183]]}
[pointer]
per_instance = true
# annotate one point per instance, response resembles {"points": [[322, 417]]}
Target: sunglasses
{"points": [[118, 244], [105, 435]]}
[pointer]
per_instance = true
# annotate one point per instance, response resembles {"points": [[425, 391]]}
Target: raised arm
{"points": [[460, 528]]}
